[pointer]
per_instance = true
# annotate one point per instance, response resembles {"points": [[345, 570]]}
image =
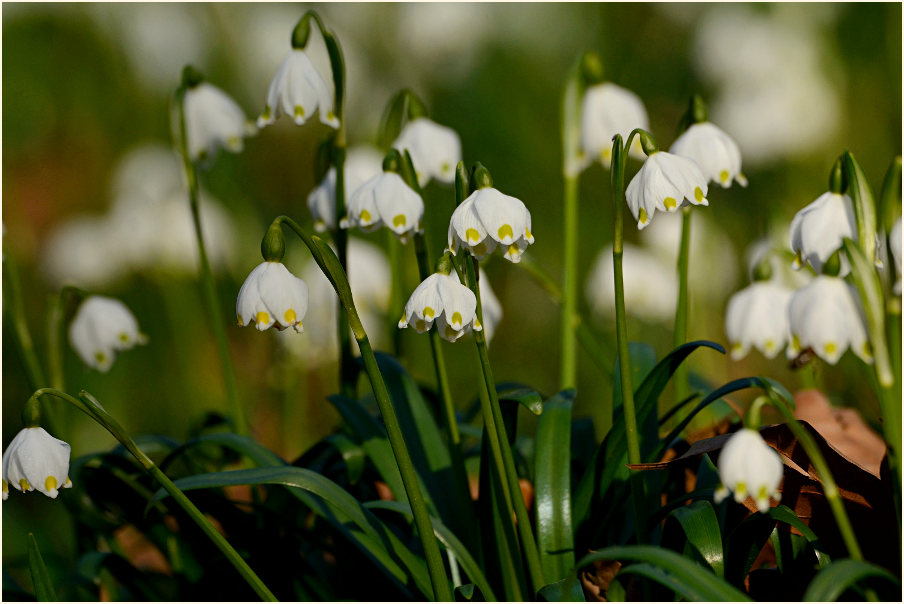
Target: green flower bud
{"points": [[445, 264], [591, 68], [302, 32], [31, 414], [191, 77], [647, 142], [416, 107], [480, 177], [763, 270], [273, 245], [838, 178], [695, 114], [393, 162]]}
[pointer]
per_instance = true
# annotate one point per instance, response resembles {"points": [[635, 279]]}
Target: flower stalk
{"points": [[682, 309], [332, 269], [208, 287], [89, 405]]}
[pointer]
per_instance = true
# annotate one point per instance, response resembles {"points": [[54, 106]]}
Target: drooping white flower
{"points": [[297, 90], [749, 467], [385, 199], [895, 245], [818, 229], [651, 284], [101, 327], [77, 252], [715, 152], [363, 162], [757, 316], [665, 182], [435, 150], [271, 296], [488, 218], [442, 299], [35, 460], [490, 306], [213, 120], [370, 277], [608, 110], [826, 315]]}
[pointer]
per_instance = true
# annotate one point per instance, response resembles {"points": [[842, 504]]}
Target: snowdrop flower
{"points": [[490, 306], [385, 199], [362, 163], [101, 327], [895, 245], [826, 315], [297, 90], [212, 120], [715, 152], [818, 229], [665, 182], [748, 466], [608, 110], [757, 316], [271, 296], [435, 150], [651, 284], [443, 299], [35, 460], [488, 218]]}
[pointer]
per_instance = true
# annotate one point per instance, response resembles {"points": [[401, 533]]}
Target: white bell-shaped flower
{"points": [[488, 218], [665, 182], [895, 245], [213, 120], [757, 316], [442, 299], [490, 306], [385, 199], [749, 467], [826, 315], [651, 284], [101, 327], [363, 162], [715, 152], [608, 110], [271, 296], [818, 229], [297, 90], [35, 460], [435, 150]]}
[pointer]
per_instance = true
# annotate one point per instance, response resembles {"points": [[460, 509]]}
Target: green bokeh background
{"points": [[74, 102]]}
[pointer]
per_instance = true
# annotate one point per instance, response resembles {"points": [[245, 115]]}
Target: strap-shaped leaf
{"points": [[552, 491], [832, 581], [526, 396], [783, 513], [44, 591], [701, 528], [864, 205], [449, 541], [340, 508], [672, 570]]}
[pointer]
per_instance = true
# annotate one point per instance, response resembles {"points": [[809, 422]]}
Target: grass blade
{"points": [[831, 582], [44, 591]]}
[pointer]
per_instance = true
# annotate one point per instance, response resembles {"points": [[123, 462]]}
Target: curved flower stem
{"points": [[682, 309], [208, 287], [619, 157], [829, 488], [568, 369], [397, 292], [497, 432], [89, 405], [333, 271]]}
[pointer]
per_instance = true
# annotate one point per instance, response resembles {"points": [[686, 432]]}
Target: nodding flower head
{"points": [[757, 316], [35, 460], [665, 182], [818, 230], [298, 90], [487, 219], [435, 150], [608, 110], [442, 299], [213, 120], [749, 467], [271, 296], [101, 327], [715, 152], [385, 199]]}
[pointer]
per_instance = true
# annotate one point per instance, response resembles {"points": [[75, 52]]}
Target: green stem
{"points": [[568, 367], [508, 469], [682, 309], [397, 293], [829, 488], [89, 405], [208, 287], [619, 157], [55, 341], [329, 264]]}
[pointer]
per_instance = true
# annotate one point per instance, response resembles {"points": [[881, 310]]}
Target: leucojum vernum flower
{"points": [[271, 296], [101, 327], [749, 467], [35, 460], [441, 298]]}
